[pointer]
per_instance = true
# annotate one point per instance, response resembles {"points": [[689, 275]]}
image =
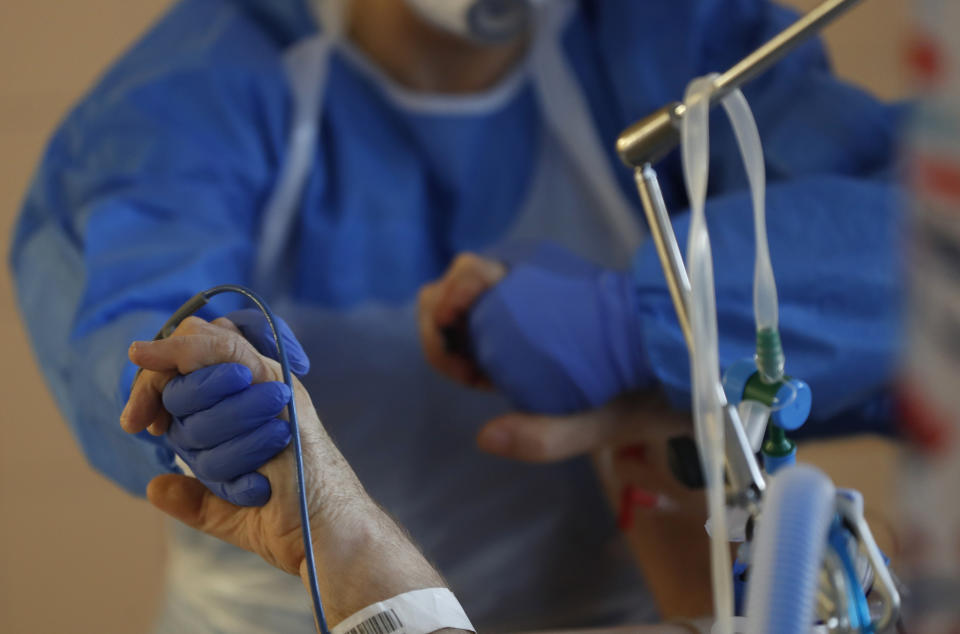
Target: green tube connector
{"points": [[762, 391], [777, 444], [769, 357]]}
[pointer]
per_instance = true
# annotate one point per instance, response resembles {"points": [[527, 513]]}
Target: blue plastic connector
{"points": [[798, 400], [772, 464], [735, 379]]}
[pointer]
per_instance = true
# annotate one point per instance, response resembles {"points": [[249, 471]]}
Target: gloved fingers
{"points": [[253, 325], [197, 344], [241, 454], [233, 416], [193, 345], [202, 389], [467, 278], [543, 439], [250, 489], [445, 361]]}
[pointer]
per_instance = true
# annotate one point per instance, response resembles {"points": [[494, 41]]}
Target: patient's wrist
{"points": [[361, 555], [362, 558]]}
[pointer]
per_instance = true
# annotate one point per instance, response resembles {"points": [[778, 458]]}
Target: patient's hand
{"points": [[557, 335], [362, 556]]}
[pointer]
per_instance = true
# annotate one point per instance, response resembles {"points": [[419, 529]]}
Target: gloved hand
{"points": [[560, 336], [225, 428], [254, 327], [353, 538]]}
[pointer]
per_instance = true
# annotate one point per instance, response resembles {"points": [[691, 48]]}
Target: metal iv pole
{"points": [[650, 139]]}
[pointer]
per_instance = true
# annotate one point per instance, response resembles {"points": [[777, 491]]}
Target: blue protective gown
{"points": [[151, 189]]}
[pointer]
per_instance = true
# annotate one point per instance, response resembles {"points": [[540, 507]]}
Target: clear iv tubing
{"points": [[748, 138], [770, 360], [704, 355], [191, 306]]}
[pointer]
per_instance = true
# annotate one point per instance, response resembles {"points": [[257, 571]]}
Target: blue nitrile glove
{"points": [[560, 336], [255, 329], [225, 428]]}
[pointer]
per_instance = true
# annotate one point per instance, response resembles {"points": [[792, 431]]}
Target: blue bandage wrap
{"points": [[560, 336]]}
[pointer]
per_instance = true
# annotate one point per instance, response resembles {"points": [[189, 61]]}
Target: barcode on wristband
{"points": [[383, 623]]}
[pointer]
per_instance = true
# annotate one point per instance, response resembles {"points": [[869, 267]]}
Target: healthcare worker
{"points": [[335, 156]]}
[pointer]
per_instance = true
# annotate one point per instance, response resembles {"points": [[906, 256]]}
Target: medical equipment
{"points": [[191, 306], [704, 354], [795, 517]]}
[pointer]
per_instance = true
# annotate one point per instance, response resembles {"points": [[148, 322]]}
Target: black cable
{"points": [[191, 306]]}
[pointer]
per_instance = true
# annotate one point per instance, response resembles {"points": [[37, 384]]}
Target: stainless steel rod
{"points": [[649, 139], [665, 240], [781, 44], [743, 472]]}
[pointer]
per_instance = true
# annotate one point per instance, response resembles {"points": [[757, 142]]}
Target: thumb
{"points": [[537, 438], [540, 438], [190, 501]]}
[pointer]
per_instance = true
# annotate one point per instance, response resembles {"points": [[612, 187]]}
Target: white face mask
{"points": [[486, 21]]}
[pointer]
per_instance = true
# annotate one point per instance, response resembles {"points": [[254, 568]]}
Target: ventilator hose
{"points": [[788, 552]]}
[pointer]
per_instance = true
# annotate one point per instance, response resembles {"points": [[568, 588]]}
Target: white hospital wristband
{"points": [[414, 612]]}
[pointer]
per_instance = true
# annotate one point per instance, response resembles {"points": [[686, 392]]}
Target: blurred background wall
{"points": [[77, 554]]}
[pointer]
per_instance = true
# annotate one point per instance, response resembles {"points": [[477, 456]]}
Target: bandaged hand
{"points": [[553, 333], [362, 555], [558, 336]]}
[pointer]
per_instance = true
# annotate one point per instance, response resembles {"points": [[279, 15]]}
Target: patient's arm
{"points": [[362, 555]]}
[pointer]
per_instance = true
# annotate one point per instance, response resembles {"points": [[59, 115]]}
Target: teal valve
{"points": [[778, 450], [789, 398]]}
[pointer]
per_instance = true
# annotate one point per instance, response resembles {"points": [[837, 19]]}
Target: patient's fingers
{"points": [[223, 322], [141, 413], [193, 345], [539, 438], [190, 501], [185, 353]]}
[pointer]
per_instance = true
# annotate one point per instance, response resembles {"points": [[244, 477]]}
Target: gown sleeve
{"points": [[147, 193]]}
